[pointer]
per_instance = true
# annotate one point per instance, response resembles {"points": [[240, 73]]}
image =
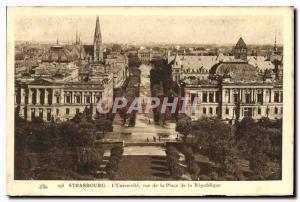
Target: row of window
{"points": [[78, 99], [209, 97], [49, 112], [247, 111]]}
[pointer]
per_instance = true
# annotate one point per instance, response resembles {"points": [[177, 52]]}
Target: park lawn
{"points": [[143, 168]]}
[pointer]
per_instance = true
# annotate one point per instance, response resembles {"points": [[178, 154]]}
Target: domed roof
{"points": [[237, 70]]}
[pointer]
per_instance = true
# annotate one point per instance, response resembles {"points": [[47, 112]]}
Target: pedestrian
{"points": [[147, 139], [159, 138]]}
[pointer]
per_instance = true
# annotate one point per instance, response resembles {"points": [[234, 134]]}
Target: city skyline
{"points": [[134, 30]]}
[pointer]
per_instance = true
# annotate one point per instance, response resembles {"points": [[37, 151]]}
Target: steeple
{"points": [[275, 45], [76, 38], [240, 50], [97, 35], [98, 52]]}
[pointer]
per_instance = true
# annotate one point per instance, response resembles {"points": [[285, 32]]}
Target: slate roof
{"points": [[240, 44], [206, 62], [239, 71], [89, 49]]}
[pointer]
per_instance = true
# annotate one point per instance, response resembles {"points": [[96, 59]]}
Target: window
{"points": [[226, 96], [276, 96], [259, 111], [210, 110], [32, 113], [248, 98], [41, 113], [48, 114], [211, 97], [57, 111], [97, 98], [260, 98], [68, 99], [88, 100], [227, 111], [248, 111], [77, 110], [204, 96], [57, 99], [217, 97], [67, 111], [193, 96], [281, 96], [204, 110], [281, 110], [235, 97], [276, 110], [77, 99]]}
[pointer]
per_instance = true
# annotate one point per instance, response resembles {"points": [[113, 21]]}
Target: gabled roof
{"points": [[89, 49], [240, 44]]}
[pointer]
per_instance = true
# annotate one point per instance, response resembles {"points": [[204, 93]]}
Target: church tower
{"points": [[98, 52], [240, 50]]}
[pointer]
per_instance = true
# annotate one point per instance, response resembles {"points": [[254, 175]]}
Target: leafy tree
{"points": [[134, 62], [69, 134], [194, 170], [104, 125], [257, 145], [116, 47], [39, 139], [184, 127]]}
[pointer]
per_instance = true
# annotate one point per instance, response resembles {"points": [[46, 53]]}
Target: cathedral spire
{"points": [[98, 52], [97, 35], [76, 38]]}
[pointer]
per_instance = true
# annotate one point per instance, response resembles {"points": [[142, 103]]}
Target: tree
{"points": [[69, 134], [39, 139], [134, 62], [183, 126], [104, 125], [89, 159], [256, 145], [116, 48], [194, 170], [86, 134]]}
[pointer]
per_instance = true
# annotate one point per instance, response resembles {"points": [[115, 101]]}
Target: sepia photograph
{"points": [[160, 98]]}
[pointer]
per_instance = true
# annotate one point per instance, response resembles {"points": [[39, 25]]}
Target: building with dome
{"points": [[230, 87]]}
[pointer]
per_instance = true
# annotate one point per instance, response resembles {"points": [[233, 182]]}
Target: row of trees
{"points": [[173, 162], [131, 90], [114, 160], [258, 142], [161, 86]]}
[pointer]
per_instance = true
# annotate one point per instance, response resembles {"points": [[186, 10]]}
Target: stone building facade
{"points": [[230, 89], [47, 98], [62, 86]]}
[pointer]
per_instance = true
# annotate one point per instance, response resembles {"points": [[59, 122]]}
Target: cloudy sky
{"points": [[148, 29]]}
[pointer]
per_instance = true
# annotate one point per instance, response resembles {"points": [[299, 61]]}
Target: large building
{"points": [[69, 80], [232, 87]]}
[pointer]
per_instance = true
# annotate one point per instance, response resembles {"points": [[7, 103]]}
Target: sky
{"points": [[150, 29]]}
